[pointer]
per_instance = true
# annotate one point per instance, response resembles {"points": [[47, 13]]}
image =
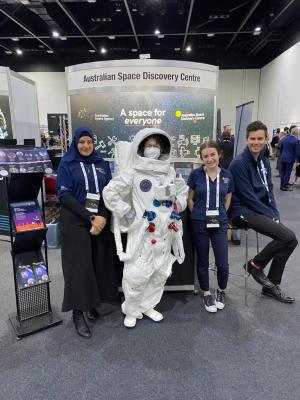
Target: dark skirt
{"points": [[88, 263]]}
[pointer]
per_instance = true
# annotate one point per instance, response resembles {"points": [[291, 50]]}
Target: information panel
{"points": [[187, 117]]}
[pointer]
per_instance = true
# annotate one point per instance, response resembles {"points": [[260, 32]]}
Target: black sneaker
{"points": [[220, 299], [209, 303]]}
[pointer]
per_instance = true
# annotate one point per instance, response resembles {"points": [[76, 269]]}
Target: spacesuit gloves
{"points": [[177, 206]]}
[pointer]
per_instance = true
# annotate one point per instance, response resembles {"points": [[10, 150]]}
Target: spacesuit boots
{"points": [[154, 315], [129, 322]]}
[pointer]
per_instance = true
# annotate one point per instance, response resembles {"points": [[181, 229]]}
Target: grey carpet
{"points": [[239, 353]]}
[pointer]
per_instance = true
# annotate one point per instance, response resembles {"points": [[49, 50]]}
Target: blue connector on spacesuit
{"points": [[158, 203], [175, 216], [150, 215]]}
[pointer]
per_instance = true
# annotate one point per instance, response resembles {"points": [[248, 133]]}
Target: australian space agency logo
{"points": [[145, 185]]}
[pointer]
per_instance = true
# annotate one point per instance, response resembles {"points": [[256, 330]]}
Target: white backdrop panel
{"points": [[24, 109]]}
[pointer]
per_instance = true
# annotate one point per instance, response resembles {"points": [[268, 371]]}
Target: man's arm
{"points": [[273, 204], [244, 190]]}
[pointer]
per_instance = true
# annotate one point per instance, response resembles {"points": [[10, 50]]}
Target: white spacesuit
{"points": [[148, 193]]}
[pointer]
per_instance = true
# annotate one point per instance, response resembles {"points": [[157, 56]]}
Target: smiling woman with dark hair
{"points": [[86, 242]]}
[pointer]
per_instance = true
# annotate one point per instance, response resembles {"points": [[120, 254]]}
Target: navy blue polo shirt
{"points": [[197, 182]]}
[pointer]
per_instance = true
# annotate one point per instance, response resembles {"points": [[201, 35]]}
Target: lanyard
{"points": [[86, 178], [264, 178], [208, 191]]}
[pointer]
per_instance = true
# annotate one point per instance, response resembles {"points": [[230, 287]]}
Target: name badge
{"points": [[92, 202], [212, 219]]}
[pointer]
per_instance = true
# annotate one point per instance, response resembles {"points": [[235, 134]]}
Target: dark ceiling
{"points": [[219, 32]]}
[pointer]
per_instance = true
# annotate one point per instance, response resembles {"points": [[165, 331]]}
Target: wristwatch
{"points": [[92, 217]]}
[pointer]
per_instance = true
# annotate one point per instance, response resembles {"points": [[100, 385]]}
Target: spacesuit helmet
{"points": [[153, 138]]}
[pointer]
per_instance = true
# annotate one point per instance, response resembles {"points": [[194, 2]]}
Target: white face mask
{"points": [[152, 152]]}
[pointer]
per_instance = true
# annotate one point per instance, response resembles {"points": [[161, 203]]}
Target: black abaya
{"points": [[88, 261]]}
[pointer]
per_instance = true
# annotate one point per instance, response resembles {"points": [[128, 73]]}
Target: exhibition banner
{"points": [[5, 118], [187, 116], [3, 80], [146, 75]]}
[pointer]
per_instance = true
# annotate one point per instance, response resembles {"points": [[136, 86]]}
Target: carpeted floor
{"points": [[239, 353]]}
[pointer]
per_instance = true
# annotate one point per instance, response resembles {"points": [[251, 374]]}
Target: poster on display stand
{"points": [[19, 159]]}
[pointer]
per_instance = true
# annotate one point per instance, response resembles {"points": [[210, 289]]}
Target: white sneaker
{"points": [[129, 322], [220, 299], [209, 303], [154, 315]]}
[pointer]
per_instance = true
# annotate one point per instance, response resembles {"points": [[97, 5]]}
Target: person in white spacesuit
{"points": [[147, 197]]}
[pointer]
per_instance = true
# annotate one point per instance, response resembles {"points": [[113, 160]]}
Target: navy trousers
{"points": [[218, 238], [286, 170]]}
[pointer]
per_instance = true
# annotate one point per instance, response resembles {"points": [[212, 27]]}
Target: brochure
{"points": [[27, 216]]}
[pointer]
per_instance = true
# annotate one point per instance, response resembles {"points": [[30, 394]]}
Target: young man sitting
{"points": [[254, 206]]}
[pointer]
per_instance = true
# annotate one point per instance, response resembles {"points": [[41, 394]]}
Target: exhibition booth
{"points": [[116, 99]]}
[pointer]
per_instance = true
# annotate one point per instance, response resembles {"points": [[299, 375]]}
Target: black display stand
{"points": [[34, 312]]}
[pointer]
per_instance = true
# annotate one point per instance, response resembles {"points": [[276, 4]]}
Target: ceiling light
{"points": [[180, 7], [134, 50], [111, 37], [144, 56], [63, 38], [134, 9], [156, 32], [15, 39], [92, 51], [25, 2], [55, 34], [8, 52], [19, 52], [100, 19], [163, 7], [118, 7], [157, 44], [257, 29], [91, 1], [161, 36], [210, 35], [177, 49], [142, 8], [50, 51], [103, 50], [41, 46], [188, 49]]}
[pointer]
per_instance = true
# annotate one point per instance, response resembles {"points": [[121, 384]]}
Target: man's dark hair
{"points": [[256, 126]]}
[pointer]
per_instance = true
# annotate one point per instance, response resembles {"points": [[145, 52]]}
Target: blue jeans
{"points": [[218, 238]]}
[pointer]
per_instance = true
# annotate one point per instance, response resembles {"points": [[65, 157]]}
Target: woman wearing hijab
{"points": [[86, 242]]}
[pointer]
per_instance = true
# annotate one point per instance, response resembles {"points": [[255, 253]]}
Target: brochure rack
{"points": [[34, 312]]}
